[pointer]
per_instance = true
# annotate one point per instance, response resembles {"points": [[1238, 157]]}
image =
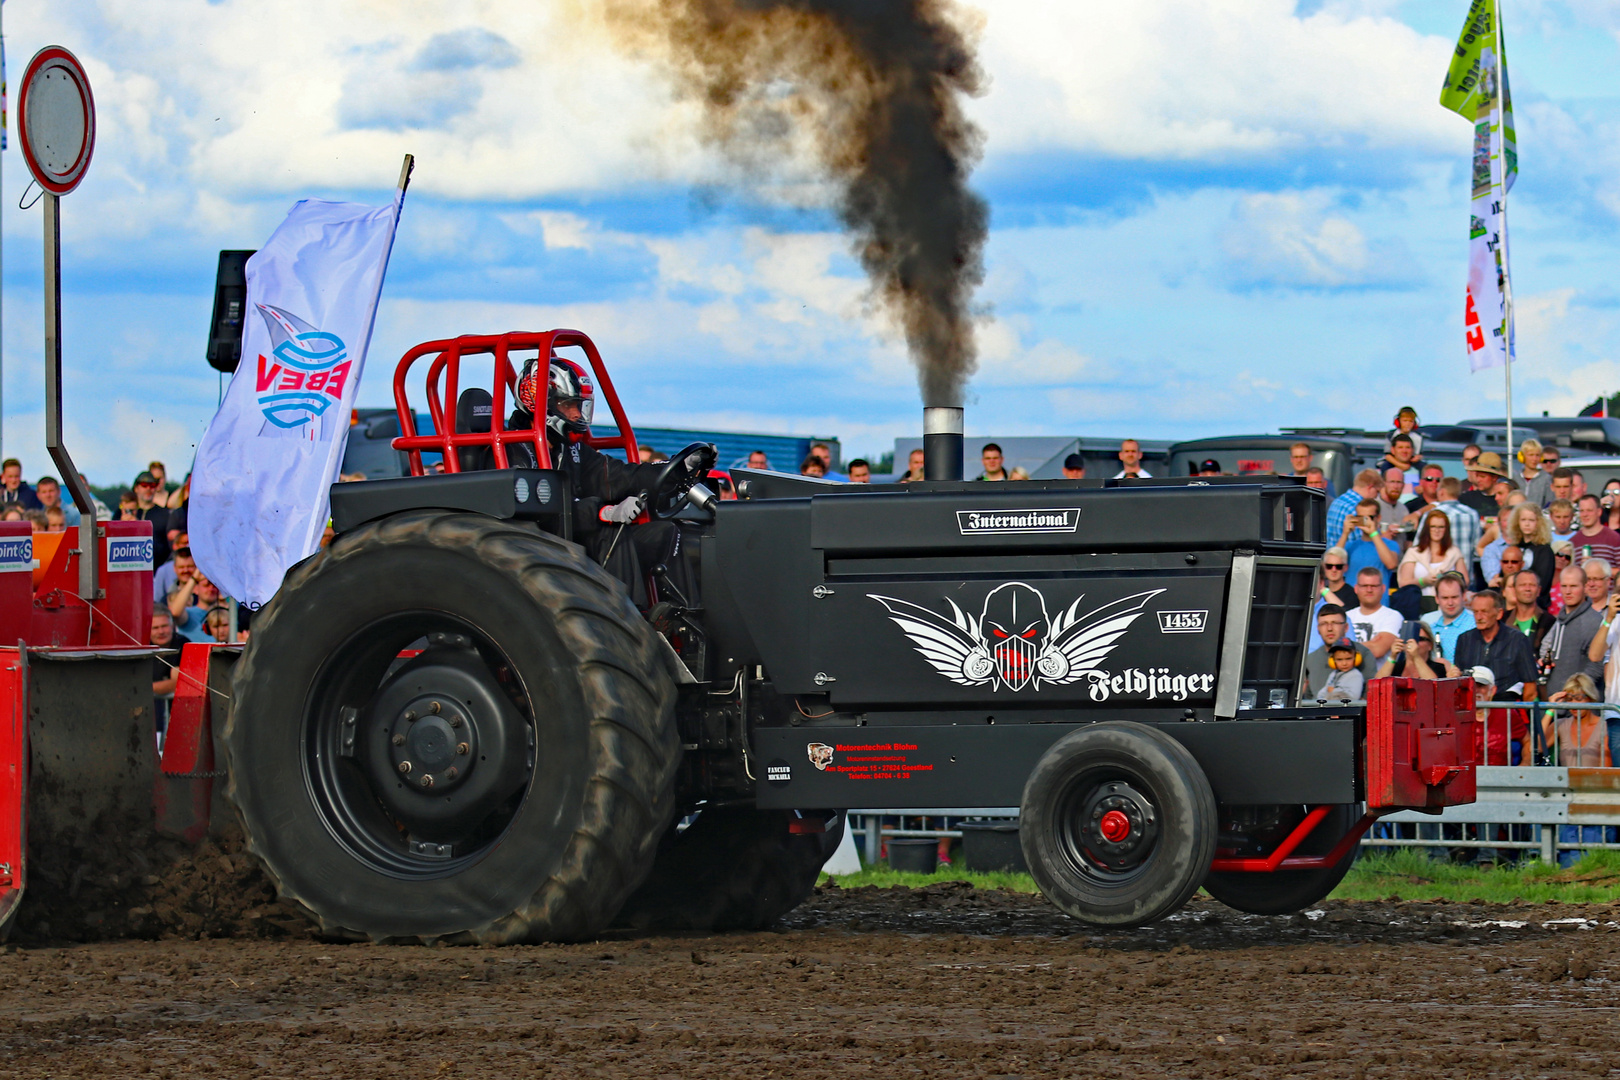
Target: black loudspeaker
{"points": [[230, 305]]}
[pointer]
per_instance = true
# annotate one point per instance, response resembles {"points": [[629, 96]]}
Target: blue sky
{"points": [[1208, 216]]}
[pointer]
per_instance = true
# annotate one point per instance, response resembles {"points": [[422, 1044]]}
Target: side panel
{"points": [[1247, 762], [1095, 637]]}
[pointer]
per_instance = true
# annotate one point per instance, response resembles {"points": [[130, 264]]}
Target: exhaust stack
{"points": [[942, 442]]}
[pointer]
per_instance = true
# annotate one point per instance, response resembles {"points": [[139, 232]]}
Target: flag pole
{"points": [[1507, 266]]}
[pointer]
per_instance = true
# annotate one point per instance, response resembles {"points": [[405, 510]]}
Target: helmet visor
{"points": [[574, 408]]}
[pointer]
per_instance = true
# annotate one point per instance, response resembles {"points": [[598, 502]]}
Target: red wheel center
{"points": [[1114, 826]]}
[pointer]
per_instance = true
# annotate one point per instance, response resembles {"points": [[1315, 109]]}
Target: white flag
{"points": [[1476, 87], [259, 486]]}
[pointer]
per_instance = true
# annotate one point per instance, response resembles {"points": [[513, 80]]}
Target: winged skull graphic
{"points": [[1013, 643]]}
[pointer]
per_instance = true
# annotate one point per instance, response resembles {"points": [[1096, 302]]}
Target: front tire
{"points": [[1118, 824], [1285, 891], [507, 782]]}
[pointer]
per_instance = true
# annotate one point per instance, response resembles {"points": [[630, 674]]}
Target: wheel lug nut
{"points": [[398, 740], [434, 708], [462, 748], [410, 714], [455, 721], [451, 773], [404, 767], [427, 779]]}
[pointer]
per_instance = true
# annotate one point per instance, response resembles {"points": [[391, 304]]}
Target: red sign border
{"points": [[82, 164]]}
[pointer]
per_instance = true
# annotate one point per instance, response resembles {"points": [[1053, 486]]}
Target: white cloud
{"points": [[1208, 79], [1297, 240], [1569, 353]]}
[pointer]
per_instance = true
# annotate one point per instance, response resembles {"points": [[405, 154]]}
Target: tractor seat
{"points": [[473, 410]]}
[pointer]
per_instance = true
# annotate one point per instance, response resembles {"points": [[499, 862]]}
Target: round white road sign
{"points": [[56, 119]]}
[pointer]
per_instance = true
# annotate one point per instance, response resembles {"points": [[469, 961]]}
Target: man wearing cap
{"points": [[1483, 473], [146, 510], [1489, 644], [1501, 731], [1074, 467], [1209, 467]]}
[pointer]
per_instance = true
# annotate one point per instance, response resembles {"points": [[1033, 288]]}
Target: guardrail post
{"points": [[874, 838], [1549, 841]]}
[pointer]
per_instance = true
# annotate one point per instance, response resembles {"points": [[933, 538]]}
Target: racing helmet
{"points": [[570, 398]]}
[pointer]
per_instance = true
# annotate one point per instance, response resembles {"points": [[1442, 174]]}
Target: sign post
{"points": [[56, 122]]}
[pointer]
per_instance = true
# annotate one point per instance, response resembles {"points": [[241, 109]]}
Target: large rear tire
{"points": [[1287, 891], [1118, 824], [452, 728], [733, 868]]}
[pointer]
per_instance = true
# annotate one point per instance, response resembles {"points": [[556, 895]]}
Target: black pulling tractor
{"points": [[453, 725]]}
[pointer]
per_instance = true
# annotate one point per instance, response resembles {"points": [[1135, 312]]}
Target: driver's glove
{"points": [[694, 461], [621, 513]]}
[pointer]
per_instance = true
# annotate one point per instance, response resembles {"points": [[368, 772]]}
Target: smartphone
{"points": [[1409, 630]]}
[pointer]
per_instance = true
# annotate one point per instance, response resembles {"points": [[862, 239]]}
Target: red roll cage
{"points": [[444, 385]]}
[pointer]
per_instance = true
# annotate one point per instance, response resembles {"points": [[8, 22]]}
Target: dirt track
{"points": [[941, 982]]}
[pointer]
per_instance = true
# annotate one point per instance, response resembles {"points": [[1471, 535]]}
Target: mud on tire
{"points": [[733, 868], [566, 729]]}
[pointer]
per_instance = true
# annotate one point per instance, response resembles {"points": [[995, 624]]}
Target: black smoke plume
{"points": [[874, 88]]}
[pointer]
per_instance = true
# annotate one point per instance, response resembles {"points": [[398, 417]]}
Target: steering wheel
{"points": [[675, 480]]}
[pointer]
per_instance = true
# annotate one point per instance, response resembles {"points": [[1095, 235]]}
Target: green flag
{"points": [[1478, 69]]}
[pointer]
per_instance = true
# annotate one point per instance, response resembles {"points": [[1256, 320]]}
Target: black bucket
{"points": [[914, 854], [988, 847]]}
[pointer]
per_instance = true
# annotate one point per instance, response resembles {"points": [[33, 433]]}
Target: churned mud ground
{"points": [[944, 981]]}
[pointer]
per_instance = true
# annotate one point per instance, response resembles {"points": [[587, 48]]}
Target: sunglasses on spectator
{"points": [[146, 485], [1512, 562], [1470, 460], [1335, 566]]}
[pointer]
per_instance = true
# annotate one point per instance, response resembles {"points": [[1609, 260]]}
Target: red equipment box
{"points": [[122, 619], [1420, 743]]}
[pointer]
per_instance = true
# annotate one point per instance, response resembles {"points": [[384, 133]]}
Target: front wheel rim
{"points": [[1108, 827]]}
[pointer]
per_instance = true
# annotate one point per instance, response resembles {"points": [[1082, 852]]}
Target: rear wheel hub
{"points": [[443, 744]]}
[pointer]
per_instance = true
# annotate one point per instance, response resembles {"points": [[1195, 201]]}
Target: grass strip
{"points": [[1393, 874], [1386, 874]]}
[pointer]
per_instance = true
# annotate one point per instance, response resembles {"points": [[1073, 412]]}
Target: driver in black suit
{"points": [[608, 494]]}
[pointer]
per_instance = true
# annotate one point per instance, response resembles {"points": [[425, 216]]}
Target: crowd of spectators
{"points": [[186, 606], [1507, 576]]}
